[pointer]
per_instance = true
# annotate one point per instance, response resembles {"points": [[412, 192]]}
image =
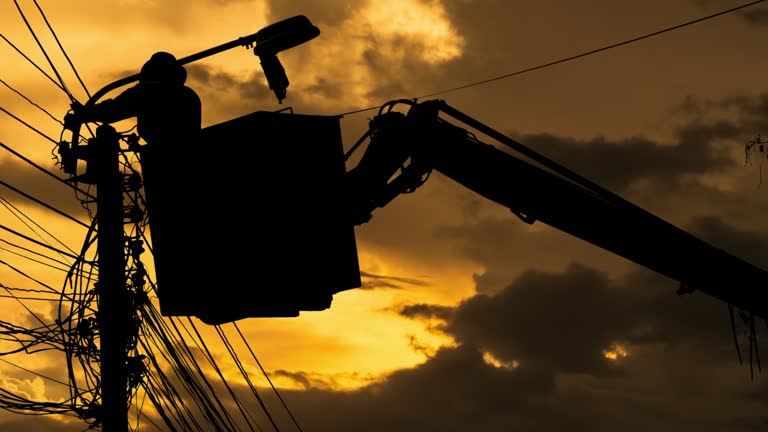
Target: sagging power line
{"points": [[571, 58]]}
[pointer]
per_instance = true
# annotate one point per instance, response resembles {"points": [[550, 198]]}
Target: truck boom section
{"points": [[405, 148]]}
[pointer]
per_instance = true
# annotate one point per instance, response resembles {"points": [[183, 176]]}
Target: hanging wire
{"points": [[44, 171], [44, 204], [32, 103], [573, 57], [34, 129], [63, 51], [274, 389], [45, 53], [33, 63]]}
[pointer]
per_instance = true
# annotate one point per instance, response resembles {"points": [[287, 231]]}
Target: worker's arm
{"points": [[124, 106]]}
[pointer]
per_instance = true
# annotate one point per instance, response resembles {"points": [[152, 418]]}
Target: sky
{"points": [[468, 318]]}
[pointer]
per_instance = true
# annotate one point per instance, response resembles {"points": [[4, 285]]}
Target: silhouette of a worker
{"points": [[167, 112], [168, 117]]}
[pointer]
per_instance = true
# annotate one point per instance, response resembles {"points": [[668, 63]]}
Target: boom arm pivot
{"points": [[405, 148]]}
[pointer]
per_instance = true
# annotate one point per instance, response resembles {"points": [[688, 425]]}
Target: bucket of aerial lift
{"points": [[251, 220]]}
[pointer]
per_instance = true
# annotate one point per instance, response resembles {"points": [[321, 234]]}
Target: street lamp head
{"points": [[277, 37]]}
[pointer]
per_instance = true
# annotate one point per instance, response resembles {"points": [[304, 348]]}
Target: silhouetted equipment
{"points": [[277, 37], [253, 221], [405, 148], [269, 41]]}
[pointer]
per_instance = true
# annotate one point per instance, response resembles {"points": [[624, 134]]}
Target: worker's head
{"points": [[162, 67]]}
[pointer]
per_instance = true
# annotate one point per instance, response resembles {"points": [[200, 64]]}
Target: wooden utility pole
{"points": [[102, 155], [113, 313]]}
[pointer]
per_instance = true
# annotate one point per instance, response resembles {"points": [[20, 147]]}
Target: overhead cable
{"points": [[45, 53], [574, 57], [45, 171], [55, 37]]}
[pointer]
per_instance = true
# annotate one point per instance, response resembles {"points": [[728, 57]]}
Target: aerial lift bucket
{"points": [[251, 220]]}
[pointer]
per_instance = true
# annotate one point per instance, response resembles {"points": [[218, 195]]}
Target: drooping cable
{"points": [[34, 129], [33, 63], [43, 203], [63, 51], [37, 242], [45, 53], [32, 102], [45, 171], [28, 250], [218, 371], [244, 373], [274, 389], [574, 57]]}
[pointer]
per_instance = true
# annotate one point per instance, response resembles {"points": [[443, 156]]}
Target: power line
{"points": [[45, 171], [31, 102], [211, 360], [62, 49], [21, 255], [30, 251], [45, 53], [29, 126], [290, 414], [574, 57], [37, 242], [44, 204], [33, 63]]}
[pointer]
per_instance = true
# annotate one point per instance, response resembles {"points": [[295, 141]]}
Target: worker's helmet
{"points": [[163, 67]]}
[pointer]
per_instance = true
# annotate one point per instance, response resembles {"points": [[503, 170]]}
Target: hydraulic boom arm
{"points": [[405, 148]]}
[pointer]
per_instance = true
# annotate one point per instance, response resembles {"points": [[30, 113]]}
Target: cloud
{"points": [[638, 305], [751, 246], [616, 165], [22, 424], [757, 16], [360, 57], [426, 311], [321, 13], [680, 360], [455, 390], [376, 281], [39, 186]]}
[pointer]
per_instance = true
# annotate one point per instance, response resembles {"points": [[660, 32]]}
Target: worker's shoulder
{"points": [[190, 92]]}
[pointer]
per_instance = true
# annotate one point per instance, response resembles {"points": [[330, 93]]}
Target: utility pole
{"points": [[102, 156], [113, 314]]}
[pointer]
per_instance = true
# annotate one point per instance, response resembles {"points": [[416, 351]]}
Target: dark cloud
{"points": [[22, 424], [557, 324], [617, 164], [375, 281], [751, 246], [552, 322], [640, 307], [455, 390], [326, 88], [219, 83], [563, 320], [505, 247], [40, 186], [300, 378], [756, 16], [749, 114], [426, 311]]}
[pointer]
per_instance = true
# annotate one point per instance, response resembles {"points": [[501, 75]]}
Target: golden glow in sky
{"points": [[421, 22], [443, 246], [499, 364], [615, 352], [378, 38]]}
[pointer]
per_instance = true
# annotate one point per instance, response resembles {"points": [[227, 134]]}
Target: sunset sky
{"points": [[469, 319]]}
